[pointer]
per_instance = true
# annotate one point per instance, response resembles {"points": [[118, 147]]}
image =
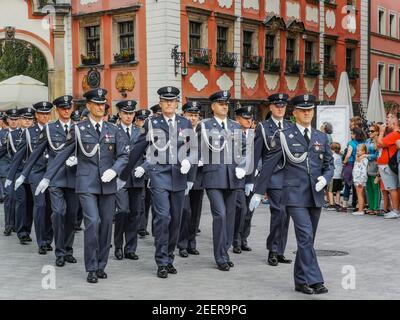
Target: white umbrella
{"points": [[343, 97], [376, 108], [20, 92]]}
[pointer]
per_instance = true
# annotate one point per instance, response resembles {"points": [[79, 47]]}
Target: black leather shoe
{"points": [[230, 264], [49, 248], [319, 288], [183, 253], [118, 254], [70, 259], [245, 247], [162, 272], [77, 228], [304, 288], [92, 277], [142, 233], [171, 269], [193, 251], [282, 259], [236, 250], [273, 259], [28, 238], [7, 232], [198, 231], [101, 274], [131, 256], [24, 239], [60, 262], [42, 250], [223, 267]]}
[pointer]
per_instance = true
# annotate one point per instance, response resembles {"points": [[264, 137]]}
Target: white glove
{"points": [[248, 188], [320, 184], [200, 164], [188, 188], [7, 183], [43, 185], [108, 175], [255, 201], [19, 182], [120, 184], [139, 172], [185, 166], [256, 173], [71, 161], [240, 173]]}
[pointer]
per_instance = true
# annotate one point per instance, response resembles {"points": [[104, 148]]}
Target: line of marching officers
{"points": [[52, 171]]}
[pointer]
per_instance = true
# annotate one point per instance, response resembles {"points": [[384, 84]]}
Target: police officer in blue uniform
{"points": [[129, 198], [267, 143], [308, 168], [222, 146], [244, 116], [9, 143], [166, 137], [194, 200], [100, 152]]}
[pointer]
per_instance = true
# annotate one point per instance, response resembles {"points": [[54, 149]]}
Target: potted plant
{"points": [[89, 60], [124, 56]]}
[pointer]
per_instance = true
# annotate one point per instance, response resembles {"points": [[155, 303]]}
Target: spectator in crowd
{"points": [[357, 137], [387, 144], [373, 188], [336, 184], [360, 177], [356, 122], [327, 128]]}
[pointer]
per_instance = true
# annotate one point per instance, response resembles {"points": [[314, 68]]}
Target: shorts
{"points": [[336, 185], [389, 179]]}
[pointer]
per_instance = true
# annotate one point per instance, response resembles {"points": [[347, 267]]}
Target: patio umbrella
{"points": [[376, 109], [20, 92], [343, 97]]}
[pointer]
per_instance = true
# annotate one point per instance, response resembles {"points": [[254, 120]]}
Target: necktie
{"points": [[223, 125], [127, 132], [170, 124], [306, 136], [66, 129], [98, 128], [279, 125]]}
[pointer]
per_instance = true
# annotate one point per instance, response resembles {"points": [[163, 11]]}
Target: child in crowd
{"points": [[360, 177], [336, 184]]}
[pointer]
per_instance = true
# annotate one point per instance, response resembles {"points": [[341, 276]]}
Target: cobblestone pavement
{"points": [[373, 245]]}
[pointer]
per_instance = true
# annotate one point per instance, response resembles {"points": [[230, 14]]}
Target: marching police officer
{"points": [[267, 143], [129, 198], [64, 201], [100, 155], [9, 143], [307, 170], [244, 116], [194, 200], [224, 167], [168, 173]]}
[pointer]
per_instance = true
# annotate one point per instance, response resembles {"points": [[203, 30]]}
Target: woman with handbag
{"points": [[373, 189]]}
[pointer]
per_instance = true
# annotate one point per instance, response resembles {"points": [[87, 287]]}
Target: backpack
{"points": [[393, 163]]}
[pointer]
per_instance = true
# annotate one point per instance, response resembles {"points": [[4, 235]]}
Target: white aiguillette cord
{"points": [[161, 149], [28, 140], [11, 142], [51, 142], [210, 146], [286, 152], [87, 154]]}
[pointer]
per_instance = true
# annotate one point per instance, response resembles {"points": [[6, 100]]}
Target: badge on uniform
{"points": [[317, 146], [273, 143], [321, 156], [110, 147], [291, 136], [142, 130]]}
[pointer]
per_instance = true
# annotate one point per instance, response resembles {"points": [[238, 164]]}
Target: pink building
{"points": [[384, 56]]}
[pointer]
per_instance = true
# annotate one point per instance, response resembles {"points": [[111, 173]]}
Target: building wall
{"points": [[122, 80], [385, 46]]}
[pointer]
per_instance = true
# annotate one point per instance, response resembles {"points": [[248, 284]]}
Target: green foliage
{"points": [[18, 58]]}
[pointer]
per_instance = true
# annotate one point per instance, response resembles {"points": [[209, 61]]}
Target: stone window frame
{"points": [[277, 43], [116, 19], [381, 9], [203, 19], [393, 87], [315, 48], [225, 23], [254, 39], [383, 65], [296, 38], [333, 45], [90, 22], [394, 29]]}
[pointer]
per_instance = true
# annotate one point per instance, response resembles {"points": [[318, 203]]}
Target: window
{"points": [[222, 39], [269, 47], [308, 53], [194, 35], [381, 22], [381, 75], [290, 50], [93, 41], [328, 55], [126, 37], [392, 25], [247, 37], [392, 78], [349, 59]]}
